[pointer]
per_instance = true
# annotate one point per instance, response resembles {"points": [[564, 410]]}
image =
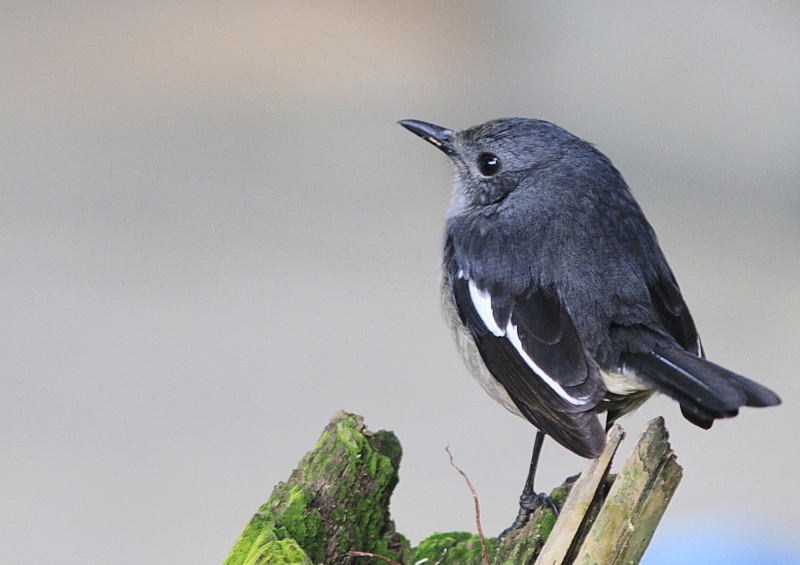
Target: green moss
{"points": [[278, 552], [387, 444], [453, 548], [302, 523], [258, 531], [261, 542], [335, 501], [546, 520]]}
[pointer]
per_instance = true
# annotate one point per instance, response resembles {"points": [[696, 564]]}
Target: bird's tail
{"points": [[704, 390]]}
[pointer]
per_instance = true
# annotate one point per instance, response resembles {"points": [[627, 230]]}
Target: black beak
{"points": [[436, 135]]}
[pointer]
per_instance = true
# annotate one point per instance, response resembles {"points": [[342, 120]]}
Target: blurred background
{"points": [[214, 236]]}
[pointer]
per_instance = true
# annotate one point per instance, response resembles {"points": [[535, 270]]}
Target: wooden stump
{"points": [[334, 509]]}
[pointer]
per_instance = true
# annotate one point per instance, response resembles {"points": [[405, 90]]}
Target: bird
{"points": [[558, 295]]}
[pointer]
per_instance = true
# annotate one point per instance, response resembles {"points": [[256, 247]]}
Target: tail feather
{"points": [[704, 390]]}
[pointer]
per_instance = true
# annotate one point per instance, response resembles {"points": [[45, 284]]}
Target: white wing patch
{"points": [[483, 305], [482, 302], [513, 337]]}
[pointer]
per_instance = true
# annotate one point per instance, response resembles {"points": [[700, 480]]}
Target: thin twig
{"points": [[373, 555], [477, 506]]}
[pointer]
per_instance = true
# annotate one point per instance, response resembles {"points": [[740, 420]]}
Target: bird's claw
{"points": [[527, 504]]}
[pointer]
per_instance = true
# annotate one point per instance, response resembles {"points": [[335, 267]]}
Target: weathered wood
{"points": [[337, 501], [637, 501], [587, 490]]}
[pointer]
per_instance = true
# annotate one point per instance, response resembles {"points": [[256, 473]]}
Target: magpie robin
{"points": [[559, 297]]}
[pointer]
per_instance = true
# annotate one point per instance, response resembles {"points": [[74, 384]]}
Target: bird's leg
{"points": [[530, 500]]}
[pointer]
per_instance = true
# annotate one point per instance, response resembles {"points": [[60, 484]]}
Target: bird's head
{"points": [[498, 157]]}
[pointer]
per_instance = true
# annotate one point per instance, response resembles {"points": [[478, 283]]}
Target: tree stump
{"points": [[334, 509]]}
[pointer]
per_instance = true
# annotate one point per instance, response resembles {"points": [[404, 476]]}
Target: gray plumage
{"points": [[559, 296]]}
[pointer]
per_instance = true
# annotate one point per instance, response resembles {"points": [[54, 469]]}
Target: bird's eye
{"points": [[488, 164]]}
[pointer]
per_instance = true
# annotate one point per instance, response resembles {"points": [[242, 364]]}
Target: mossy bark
{"points": [[635, 504], [337, 501]]}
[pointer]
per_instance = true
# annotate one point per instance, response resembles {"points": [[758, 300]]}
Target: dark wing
{"points": [[530, 345], [671, 308]]}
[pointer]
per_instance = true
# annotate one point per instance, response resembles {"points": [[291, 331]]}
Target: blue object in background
{"points": [[719, 543]]}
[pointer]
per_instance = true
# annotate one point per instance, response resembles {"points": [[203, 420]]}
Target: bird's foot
{"points": [[527, 504]]}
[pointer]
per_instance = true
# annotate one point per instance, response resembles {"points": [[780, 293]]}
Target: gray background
{"points": [[214, 236]]}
